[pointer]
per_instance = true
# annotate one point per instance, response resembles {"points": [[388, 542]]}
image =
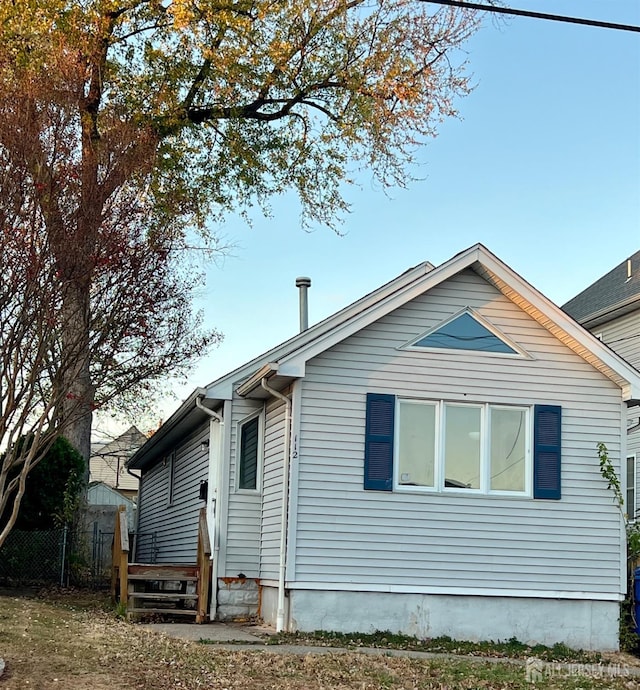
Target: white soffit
{"points": [[561, 325]]}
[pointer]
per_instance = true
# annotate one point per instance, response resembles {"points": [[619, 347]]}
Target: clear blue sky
{"points": [[543, 168]]}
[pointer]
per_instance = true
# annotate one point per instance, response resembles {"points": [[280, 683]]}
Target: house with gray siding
{"points": [[610, 309], [423, 461]]}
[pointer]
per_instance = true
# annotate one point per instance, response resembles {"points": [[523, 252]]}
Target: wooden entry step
{"points": [[136, 583], [172, 612], [162, 596], [163, 572]]}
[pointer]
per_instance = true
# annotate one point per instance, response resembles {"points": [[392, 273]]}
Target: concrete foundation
{"points": [[238, 599], [580, 624]]}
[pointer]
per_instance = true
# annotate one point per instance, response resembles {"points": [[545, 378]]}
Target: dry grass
{"points": [[75, 643]]}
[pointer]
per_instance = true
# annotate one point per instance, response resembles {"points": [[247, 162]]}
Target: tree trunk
{"points": [[76, 375]]}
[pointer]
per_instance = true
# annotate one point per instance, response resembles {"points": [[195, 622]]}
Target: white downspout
{"points": [[285, 503], [215, 558]]}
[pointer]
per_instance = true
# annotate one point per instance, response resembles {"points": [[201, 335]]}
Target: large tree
{"points": [[139, 328], [125, 125]]}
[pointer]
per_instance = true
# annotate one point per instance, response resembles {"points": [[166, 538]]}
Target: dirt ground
{"points": [[75, 642]]}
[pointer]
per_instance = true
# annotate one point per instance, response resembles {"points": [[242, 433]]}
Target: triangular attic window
{"points": [[464, 332]]}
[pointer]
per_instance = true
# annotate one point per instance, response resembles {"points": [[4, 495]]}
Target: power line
{"points": [[535, 15]]}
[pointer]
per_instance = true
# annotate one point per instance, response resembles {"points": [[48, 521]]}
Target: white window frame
{"points": [[396, 445], [485, 470], [518, 352], [260, 416], [631, 514]]}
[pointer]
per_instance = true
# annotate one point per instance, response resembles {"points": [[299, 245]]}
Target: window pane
{"points": [[249, 455], [462, 447], [465, 333], [416, 444], [508, 448]]}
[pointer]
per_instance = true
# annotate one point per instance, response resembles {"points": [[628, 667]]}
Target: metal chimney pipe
{"points": [[303, 283]]}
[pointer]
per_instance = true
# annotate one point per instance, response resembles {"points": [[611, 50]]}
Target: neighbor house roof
{"points": [[287, 362], [615, 294]]}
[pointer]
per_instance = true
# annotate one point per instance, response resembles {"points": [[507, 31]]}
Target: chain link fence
{"points": [[32, 557], [64, 557]]}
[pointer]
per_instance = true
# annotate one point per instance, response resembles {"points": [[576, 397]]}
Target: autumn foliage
{"points": [[128, 126]]}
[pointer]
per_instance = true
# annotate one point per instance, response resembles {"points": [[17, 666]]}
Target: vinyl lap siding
{"points": [[623, 336], [351, 536], [243, 526], [171, 531], [272, 491]]}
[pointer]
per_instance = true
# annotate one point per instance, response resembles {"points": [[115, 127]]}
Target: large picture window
{"points": [[445, 446]]}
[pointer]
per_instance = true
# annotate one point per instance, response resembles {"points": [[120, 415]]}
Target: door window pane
{"points": [[416, 444], [462, 447], [507, 450]]}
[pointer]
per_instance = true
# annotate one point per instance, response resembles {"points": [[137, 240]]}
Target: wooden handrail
{"points": [[120, 556], [204, 567]]}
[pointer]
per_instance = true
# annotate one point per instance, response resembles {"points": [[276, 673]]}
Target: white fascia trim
{"points": [[220, 391], [630, 391], [147, 448], [566, 323], [301, 339], [454, 591], [382, 308]]}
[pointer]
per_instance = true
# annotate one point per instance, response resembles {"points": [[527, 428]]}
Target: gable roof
{"points": [[287, 362], [615, 294], [122, 445], [212, 396], [291, 363]]}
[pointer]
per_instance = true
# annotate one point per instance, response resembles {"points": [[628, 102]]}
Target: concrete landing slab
{"points": [[216, 632]]}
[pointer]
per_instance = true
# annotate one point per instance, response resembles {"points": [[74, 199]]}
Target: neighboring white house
{"points": [[108, 462], [424, 461], [610, 309]]}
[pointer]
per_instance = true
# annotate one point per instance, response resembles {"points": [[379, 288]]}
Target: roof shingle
{"points": [[608, 294]]}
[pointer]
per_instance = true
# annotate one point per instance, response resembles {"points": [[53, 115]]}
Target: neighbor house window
{"points": [[249, 453], [631, 487], [450, 446]]}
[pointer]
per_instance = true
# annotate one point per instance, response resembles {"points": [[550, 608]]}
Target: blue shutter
{"points": [[546, 451], [378, 445]]}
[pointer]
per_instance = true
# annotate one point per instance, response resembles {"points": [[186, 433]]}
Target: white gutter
{"points": [[211, 413], [254, 381], [217, 454], [285, 503]]}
